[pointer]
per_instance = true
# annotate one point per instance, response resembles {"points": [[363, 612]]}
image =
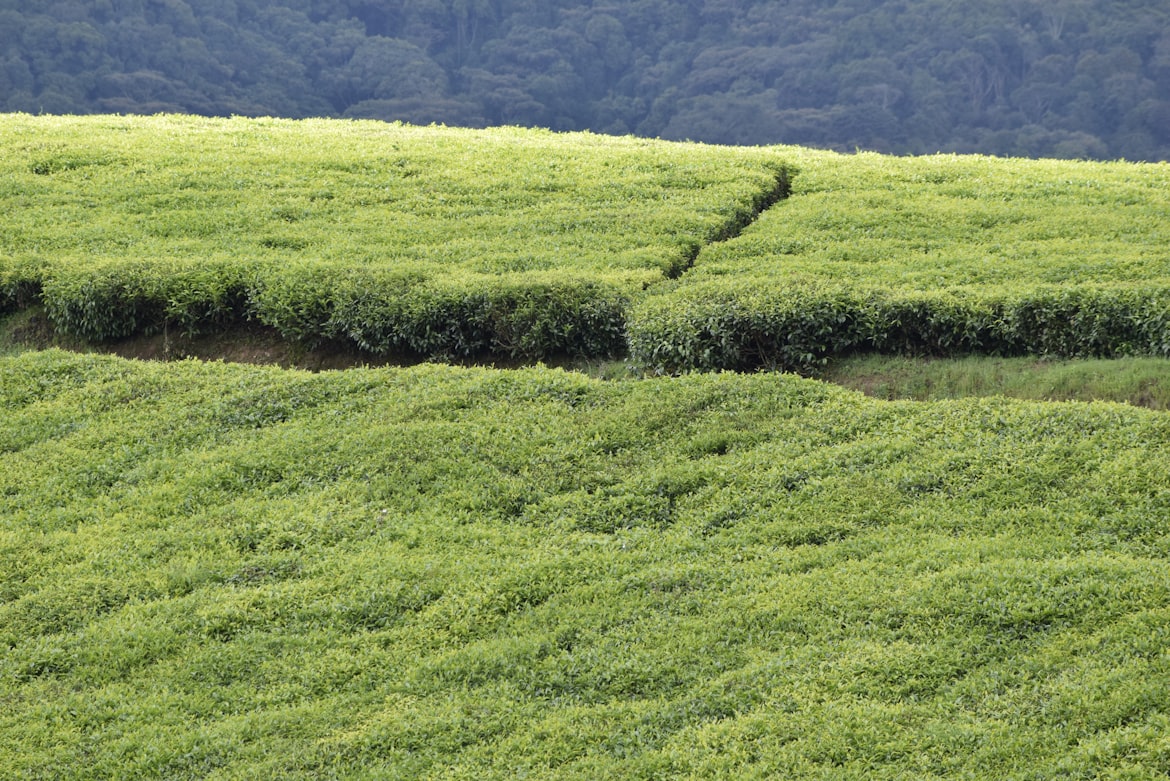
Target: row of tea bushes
{"points": [[733, 324], [395, 311], [440, 242], [381, 310], [936, 255]]}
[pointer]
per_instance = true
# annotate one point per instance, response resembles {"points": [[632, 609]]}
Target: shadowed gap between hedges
{"points": [[741, 221]]}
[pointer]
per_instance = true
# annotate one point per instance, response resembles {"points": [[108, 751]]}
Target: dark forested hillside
{"points": [[1064, 78]]}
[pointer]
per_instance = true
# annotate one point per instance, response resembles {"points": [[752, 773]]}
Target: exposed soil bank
{"points": [[1142, 382], [249, 343]]}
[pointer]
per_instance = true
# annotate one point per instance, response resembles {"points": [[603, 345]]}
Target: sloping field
{"points": [[930, 255], [431, 241], [215, 571], [218, 571]]}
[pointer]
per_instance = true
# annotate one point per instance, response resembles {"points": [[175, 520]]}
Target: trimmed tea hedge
{"points": [[402, 310], [448, 243], [934, 255], [731, 325]]}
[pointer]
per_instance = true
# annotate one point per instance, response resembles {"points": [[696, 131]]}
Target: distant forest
{"points": [[1036, 78]]}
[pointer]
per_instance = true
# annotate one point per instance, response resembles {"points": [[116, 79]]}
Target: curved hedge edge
{"points": [[18, 295], [1088, 321], [732, 326]]}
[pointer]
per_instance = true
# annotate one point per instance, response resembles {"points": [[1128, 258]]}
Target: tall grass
{"points": [[1140, 381]]}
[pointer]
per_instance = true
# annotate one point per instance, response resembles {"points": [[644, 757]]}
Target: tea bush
{"points": [[745, 326]]}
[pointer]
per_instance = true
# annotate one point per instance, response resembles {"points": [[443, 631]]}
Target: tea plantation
{"points": [[521, 244], [222, 571]]}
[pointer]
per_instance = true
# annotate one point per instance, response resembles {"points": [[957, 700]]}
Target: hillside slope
{"points": [[214, 571]]}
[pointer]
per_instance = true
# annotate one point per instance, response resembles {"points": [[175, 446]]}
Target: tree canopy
{"points": [[1056, 78]]}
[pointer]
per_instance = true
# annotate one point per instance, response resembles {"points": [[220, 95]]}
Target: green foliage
{"points": [[1139, 381], [396, 311], [744, 327], [926, 256], [217, 571], [20, 284], [119, 299], [447, 243], [1033, 78]]}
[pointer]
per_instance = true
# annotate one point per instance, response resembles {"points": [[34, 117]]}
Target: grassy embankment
{"points": [[1142, 382]]}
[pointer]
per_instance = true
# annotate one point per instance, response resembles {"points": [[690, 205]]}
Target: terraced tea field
{"points": [[220, 571], [429, 241], [435, 242]]}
